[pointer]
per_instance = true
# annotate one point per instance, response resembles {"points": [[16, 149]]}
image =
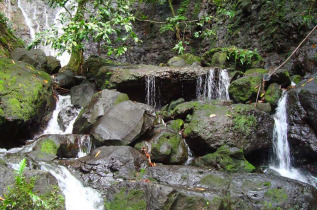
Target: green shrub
{"points": [[21, 195]]}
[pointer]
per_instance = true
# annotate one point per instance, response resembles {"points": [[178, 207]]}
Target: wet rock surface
{"points": [[302, 121], [65, 116], [121, 125], [36, 58], [82, 94], [99, 104], [239, 125]]}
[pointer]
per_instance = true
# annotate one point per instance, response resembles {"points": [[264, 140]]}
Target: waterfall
{"points": [[53, 126], [84, 145], [38, 17], [213, 85], [150, 89], [281, 162], [190, 153], [76, 195]]}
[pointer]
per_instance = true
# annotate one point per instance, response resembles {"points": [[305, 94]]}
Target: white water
{"points": [[190, 153], [281, 149], [53, 126], [150, 89], [214, 85], [84, 145], [77, 197], [38, 17]]}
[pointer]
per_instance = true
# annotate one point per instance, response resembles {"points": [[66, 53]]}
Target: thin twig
{"points": [[300, 44]]}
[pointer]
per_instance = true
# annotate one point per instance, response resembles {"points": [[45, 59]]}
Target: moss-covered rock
{"points": [[227, 158], [26, 96], [176, 62], [245, 89], [233, 57], [239, 125], [273, 94], [166, 146], [191, 59], [132, 199], [176, 124]]}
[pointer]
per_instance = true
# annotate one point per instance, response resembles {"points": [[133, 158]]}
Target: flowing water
{"points": [[150, 89], [76, 195], [213, 85], [53, 126], [38, 17], [281, 162]]}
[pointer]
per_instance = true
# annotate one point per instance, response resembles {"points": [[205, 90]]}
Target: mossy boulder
{"points": [[232, 57], [176, 124], [166, 146], [273, 94], [50, 147], [191, 59], [238, 125], [26, 98], [127, 199], [227, 158], [245, 89], [176, 62], [34, 57]]}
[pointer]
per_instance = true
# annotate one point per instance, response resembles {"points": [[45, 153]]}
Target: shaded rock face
{"points": [[117, 161], [99, 104], [65, 79], [36, 58], [82, 94], [121, 125], [26, 99], [50, 147], [170, 83], [238, 125], [53, 65], [166, 147], [302, 119]]}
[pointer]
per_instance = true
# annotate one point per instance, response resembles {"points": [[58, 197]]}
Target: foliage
{"points": [[109, 22], [21, 195], [242, 56]]}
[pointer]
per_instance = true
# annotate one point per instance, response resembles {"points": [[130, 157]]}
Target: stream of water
{"points": [[213, 85], [281, 149]]}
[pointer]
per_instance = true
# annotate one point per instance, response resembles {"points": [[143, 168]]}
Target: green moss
{"points": [[212, 180], [219, 59], [127, 199], [229, 159], [276, 196], [244, 123], [176, 124], [244, 89], [296, 79], [273, 94], [190, 58], [23, 90], [121, 98], [48, 146], [255, 72]]}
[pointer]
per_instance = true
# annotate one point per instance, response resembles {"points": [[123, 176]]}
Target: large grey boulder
{"points": [[65, 116], [302, 120], [118, 161], [82, 94], [99, 104], [121, 125], [53, 65]]}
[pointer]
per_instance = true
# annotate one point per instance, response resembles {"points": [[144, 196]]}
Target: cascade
{"points": [[281, 161], [213, 85], [38, 17], [150, 89], [190, 153], [53, 126], [76, 195], [84, 145]]}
